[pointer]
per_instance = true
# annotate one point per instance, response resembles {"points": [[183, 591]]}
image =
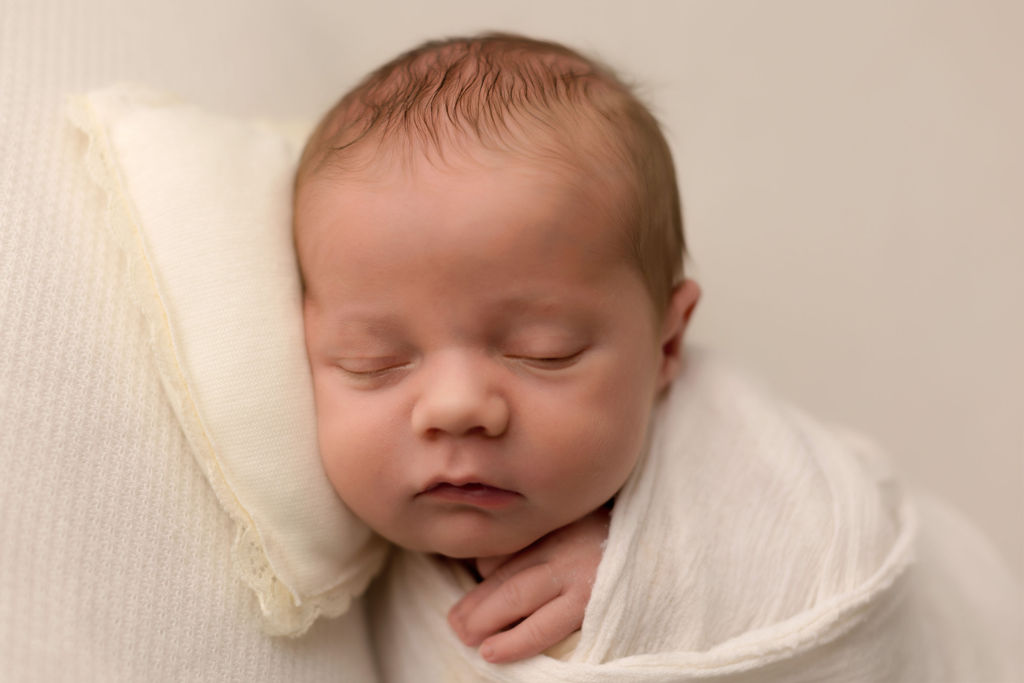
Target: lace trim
{"points": [[284, 613]]}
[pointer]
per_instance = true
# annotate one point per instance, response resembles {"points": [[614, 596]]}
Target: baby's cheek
{"points": [[593, 448], [605, 432], [343, 414], [332, 452], [339, 432], [353, 464]]}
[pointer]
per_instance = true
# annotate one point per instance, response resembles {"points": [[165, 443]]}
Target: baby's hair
{"points": [[526, 97]]}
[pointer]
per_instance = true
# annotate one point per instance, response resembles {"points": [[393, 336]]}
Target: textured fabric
{"points": [[753, 544], [201, 206], [114, 552]]}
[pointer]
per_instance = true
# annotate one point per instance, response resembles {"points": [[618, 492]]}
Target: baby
{"points": [[490, 240]]}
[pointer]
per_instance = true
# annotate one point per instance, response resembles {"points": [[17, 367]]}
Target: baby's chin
{"points": [[468, 547]]}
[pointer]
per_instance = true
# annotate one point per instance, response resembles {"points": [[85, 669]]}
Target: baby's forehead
{"points": [[495, 205], [391, 176], [390, 172]]}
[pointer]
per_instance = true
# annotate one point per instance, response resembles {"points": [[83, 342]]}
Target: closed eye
{"points": [[370, 367], [555, 362]]}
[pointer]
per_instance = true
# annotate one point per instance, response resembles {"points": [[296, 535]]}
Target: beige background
{"points": [[853, 181]]}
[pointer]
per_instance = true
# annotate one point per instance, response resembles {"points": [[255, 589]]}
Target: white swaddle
{"points": [[752, 544]]}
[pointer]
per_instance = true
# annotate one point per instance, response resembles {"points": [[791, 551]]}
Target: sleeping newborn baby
{"points": [[490, 239]]}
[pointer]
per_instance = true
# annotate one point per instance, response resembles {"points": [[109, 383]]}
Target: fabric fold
{"points": [[751, 544]]}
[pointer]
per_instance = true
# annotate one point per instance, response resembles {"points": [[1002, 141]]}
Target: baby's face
{"points": [[485, 358]]}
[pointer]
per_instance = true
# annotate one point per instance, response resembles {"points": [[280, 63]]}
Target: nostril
{"points": [[435, 433]]}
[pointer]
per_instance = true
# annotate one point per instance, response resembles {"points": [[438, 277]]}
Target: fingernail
{"points": [[487, 652]]}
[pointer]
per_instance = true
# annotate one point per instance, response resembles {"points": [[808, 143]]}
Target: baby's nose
{"points": [[459, 401]]}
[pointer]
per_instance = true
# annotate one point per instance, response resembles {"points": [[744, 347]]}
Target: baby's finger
{"points": [[485, 566], [492, 582], [468, 605], [504, 604], [545, 628]]}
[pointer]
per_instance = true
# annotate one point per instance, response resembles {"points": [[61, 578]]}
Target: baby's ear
{"points": [[680, 307]]}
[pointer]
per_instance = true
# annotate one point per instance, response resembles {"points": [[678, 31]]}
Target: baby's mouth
{"points": [[471, 486], [473, 493]]}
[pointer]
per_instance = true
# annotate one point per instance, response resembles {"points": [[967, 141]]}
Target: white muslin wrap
{"points": [[752, 544]]}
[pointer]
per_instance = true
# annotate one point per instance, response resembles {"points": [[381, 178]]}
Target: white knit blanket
{"points": [[752, 544]]}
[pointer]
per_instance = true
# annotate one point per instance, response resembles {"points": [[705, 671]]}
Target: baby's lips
{"points": [[469, 487], [472, 493], [467, 483]]}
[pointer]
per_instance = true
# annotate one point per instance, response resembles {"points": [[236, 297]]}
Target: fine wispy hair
{"points": [[533, 99]]}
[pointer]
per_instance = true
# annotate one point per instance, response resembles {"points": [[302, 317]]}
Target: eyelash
{"points": [[539, 362], [552, 362], [370, 374]]}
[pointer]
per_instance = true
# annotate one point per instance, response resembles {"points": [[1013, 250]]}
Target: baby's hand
{"points": [[545, 587]]}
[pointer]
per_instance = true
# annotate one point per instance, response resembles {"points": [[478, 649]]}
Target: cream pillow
{"points": [[201, 206]]}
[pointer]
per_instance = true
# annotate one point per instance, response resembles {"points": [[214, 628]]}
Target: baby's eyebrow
{"points": [[374, 324], [534, 303], [546, 310]]}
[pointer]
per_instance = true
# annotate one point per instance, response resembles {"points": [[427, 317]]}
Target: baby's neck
{"points": [[470, 566]]}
